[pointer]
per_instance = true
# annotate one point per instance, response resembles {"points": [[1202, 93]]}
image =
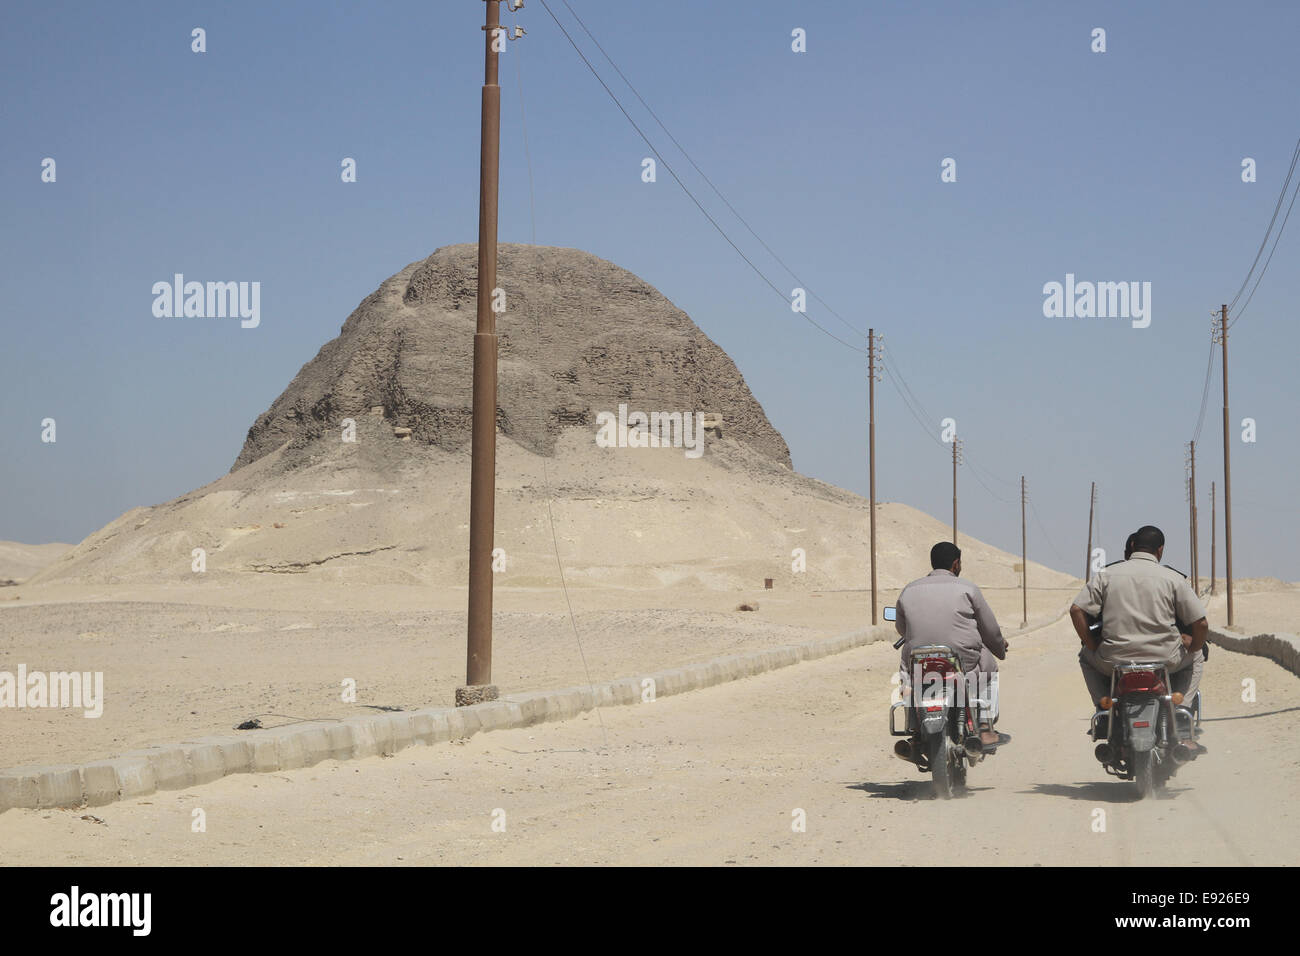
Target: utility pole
{"points": [[1227, 463], [1214, 528], [482, 501], [1024, 560], [871, 455], [956, 454], [1191, 488], [1092, 503]]}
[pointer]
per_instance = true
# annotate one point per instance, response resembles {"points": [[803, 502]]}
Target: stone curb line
{"points": [[1282, 648], [139, 773]]}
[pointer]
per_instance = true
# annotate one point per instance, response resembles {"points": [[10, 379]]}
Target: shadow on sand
{"points": [[1267, 713], [1099, 791], [919, 789]]}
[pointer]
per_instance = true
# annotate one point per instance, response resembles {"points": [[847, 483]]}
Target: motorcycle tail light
{"points": [[1141, 682], [936, 665]]}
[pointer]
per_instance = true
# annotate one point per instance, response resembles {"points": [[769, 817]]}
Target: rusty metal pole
{"points": [[871, 445], [1227, 463], [482, 501], [1024, 561], [1092, 502]]}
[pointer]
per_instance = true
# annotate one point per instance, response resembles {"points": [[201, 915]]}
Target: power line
{"points": [[546, 477], [975, 472], [926, 415], [1205, 391], [976, 475], [890, 374], [528, 156], [1043, 528], [902, 379], [1276, 240], [672, 172], [1295, 157], [682, 149]]}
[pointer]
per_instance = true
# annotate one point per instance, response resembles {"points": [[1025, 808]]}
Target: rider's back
{"points": [[944, 609], [1140, 602]]}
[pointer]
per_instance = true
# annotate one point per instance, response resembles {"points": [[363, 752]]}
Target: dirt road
{"points": [[719, 776]]}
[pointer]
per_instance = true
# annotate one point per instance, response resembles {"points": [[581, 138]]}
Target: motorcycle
{"points": [[941, 715], [1142, 727]]}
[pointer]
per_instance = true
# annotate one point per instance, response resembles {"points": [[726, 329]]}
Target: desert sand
{"points": [[714, 777], [334, 551], [19, 561], [187, 653]]}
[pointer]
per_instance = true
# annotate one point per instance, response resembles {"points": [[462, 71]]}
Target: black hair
{"points": [[1148, 538], [944, 555]]}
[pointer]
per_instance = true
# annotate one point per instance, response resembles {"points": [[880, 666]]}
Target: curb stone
{"points": [[140, 773], [1283, 649]]}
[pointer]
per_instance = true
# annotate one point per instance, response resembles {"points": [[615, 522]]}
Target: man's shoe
{"points": [[903, 748], [989, 737]]}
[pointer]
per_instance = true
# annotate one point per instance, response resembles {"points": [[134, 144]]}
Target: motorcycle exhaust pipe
{"points": [[1104, 753]]}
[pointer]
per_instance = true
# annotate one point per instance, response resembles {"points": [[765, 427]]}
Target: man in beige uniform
{"points": [[1139, 602], [944, 608]]}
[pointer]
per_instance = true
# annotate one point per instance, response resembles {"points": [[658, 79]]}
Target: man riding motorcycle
{"points": [[1140, 603], [943, 608], [1188, 681]]}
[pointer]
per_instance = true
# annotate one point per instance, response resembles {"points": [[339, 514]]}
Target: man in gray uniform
{"points": [[943, 608], [1188, 680], [1139, 602]]}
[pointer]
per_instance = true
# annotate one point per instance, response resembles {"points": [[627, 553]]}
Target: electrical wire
{"points": [[528, 155], [1033, 509], [1295, 156], [700, 206], [889, 374], [1276, 240], [682, 149], [1205, 392], [546, 477]]}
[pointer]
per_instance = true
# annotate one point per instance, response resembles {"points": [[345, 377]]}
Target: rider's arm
{"points": [[1088, 604], [1188, 607], [1079, 617], [900, 618], [990, 633]]}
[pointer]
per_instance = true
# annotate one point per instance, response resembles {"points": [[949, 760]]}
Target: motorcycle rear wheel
{"points": [[940, 766], [1144, 773]]}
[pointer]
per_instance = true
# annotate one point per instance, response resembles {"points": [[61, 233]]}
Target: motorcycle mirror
{"points": [[891, 613]]}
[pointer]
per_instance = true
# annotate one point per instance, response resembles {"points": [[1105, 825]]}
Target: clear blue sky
{"points": [[1115, 166]]}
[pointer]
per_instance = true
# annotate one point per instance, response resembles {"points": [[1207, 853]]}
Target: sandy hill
{"points": [[579, 337], [20, 561]]}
